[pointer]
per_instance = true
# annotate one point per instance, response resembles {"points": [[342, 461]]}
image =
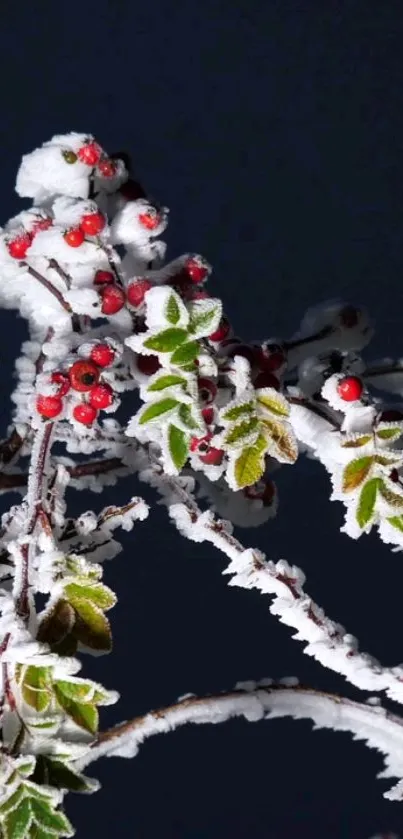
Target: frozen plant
{"points": [[216, 417]]}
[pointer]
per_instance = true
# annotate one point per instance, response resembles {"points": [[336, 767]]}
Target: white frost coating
{"points": [[378, 728]]}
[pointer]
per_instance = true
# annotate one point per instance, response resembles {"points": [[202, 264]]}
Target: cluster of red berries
{"points": [[18, 245], [207, 453], [92, 155], [82, 377], [265, 360], [113, 296], [91, 224]]}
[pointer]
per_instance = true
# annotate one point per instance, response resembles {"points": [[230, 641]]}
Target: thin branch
{"points": [[50, 288], [314, 408], [379, 728]]}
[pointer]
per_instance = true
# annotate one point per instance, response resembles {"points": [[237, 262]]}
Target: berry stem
{"points": [[60, 271]]}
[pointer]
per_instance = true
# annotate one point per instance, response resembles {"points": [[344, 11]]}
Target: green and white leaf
{"points": [[166, 341], [247, 466], [240, 408], [281, 441], [185, 355], [162, 305], [365, 512], [271, 402], [356, 472], [177, 449], [158, 411], [29, 813], [205, 316], [162, 381], [189, 418], [243, 433], [388, 432]]}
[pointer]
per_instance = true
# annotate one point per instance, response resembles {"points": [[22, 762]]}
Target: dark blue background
{"points": [[273, 131]]}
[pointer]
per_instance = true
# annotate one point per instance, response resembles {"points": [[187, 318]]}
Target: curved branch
{"points": [[379, 729]]}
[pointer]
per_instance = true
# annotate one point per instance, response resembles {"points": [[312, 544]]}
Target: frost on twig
{"points": [[264, 700]]}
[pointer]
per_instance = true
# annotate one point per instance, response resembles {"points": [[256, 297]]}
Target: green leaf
{"points": [[97, 593], [357, 442], [46, 817], [391, 498], [57, 624], [36, 687], [17, 821], [397, 522], [12, 801], [186, 417], [249, 466], [205, 315], [55, 773], [178, 443], [91, 628], [281, 440], [388, 433], [185, 354], [172, 311], [80, 691], [273, 402], [367, 500], [237, 433], [355, 472], [167, 340], [84, 714], [237, 411], [166, 381], [158, 409]]}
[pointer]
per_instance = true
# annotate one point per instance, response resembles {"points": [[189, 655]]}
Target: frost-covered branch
{"points": [[371, 723]]}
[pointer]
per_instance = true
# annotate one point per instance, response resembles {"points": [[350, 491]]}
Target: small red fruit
{"points": [[103, 277], [264, 379], [208, 415], [150, 219], [262, 491], [113, 299], [270, 357], [102, 355], [148, 364], [243, 350], [62, 381], [84, 413], [207, 454], [350, 388], [74, 237], [41, 224], [394, 476], [222, 331], [83, 375], [92, 223], [49, 406], [197, 268], [101, 396], [90, 154], [107, 168], [131, 190], [136, 292], [207, 390], [18, 247]]}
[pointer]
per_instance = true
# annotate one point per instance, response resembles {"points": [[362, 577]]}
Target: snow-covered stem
{"points": [[265, 700]]}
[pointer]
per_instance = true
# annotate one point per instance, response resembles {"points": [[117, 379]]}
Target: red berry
{"points": [[102, 355], [74, 237], [90, 154], [207, 390], [222, 331], [148, 364], [270, 357], [83, 375], [350, 388], [207, 454], [113, 299], [208, 415], [136, 291], [150, 220], [41, 224], [391, 415], [197, 268], [394, 476], [92, 223], [101, 396], [107, 168], [244, 350], [63, 382], [18, 247], [349, 316], [200, 295], [84, 413], [49, 406], [261, 490], [131, 190], [103, 277], [265, 379]]}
